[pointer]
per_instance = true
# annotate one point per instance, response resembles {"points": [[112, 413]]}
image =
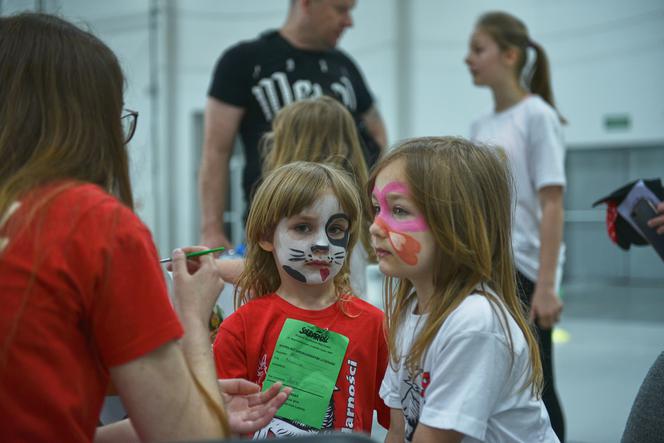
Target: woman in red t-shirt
{"points": [[84, 302]]}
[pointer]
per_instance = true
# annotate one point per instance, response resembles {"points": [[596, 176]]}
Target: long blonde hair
{"points": [[318, 130], [285, 192], [463, 191]]}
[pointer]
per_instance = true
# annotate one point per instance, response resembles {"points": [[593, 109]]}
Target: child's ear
{"points": [[511, 56], [266, 245]]}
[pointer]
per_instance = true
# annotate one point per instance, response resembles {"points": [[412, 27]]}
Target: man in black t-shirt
{"points": [[253, 80]]}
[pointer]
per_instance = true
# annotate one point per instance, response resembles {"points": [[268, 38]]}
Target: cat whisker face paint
{"points": [[311, 246], [296, 255]]}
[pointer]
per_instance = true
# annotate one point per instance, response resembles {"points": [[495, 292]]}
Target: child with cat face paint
{"points": [[302, 226], [464, 362], [317, 130]]}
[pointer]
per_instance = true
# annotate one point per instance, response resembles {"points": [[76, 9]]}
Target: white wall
{"points": [[607, 57]]}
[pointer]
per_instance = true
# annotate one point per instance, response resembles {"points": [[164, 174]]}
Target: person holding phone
{"points": [[657, 222]]}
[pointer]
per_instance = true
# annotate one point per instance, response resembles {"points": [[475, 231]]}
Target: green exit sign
{"points": [[617, 122]]}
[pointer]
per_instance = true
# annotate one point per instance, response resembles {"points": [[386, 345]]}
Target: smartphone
{"points": [[643, 211]]}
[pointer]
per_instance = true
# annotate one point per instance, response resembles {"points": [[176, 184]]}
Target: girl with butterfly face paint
{"points": [[407, 247], [301, 230], [465, 363]]}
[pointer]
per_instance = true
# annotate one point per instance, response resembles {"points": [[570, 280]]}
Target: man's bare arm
{"points": [[221, 125]]}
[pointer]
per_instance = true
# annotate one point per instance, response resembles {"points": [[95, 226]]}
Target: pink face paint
{"points": [[324, 273], [416, 225], [404, 245]]}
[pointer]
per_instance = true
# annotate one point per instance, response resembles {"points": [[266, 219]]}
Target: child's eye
{"points": [[477, 50], [337, 232], [375, 208], [302, 228], [398, 211]]}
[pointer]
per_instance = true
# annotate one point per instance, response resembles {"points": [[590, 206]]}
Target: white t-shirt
{"points": [[529, 134], [468, 382]]}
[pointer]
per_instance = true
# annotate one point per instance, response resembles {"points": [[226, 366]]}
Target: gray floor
{"points": [[615, 334]]}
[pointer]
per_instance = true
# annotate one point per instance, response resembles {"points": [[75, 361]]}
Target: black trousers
{"points": [[525, 289]]}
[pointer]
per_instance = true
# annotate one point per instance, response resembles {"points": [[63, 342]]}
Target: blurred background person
{"points": [[254, 79]]}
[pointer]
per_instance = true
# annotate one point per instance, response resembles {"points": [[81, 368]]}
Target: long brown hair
{"points": [[463, 191], [318, 130], [510, 32], [285, 192], [60, 104]]}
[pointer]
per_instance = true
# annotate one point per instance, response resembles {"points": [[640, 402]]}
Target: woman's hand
{"points": [[249, 409], [195, 288]]}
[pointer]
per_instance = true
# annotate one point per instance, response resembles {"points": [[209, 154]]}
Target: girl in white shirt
{"points": [[464, 363], [525, 128]]}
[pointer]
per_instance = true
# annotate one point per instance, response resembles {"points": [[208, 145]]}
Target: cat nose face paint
{"points": [[311, 246], [395, 221]]}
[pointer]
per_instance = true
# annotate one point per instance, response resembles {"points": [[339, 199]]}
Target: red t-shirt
{"points": [[82, 291], [247, 338]]}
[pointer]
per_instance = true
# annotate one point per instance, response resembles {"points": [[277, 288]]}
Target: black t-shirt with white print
{"points": [[264, 75]]}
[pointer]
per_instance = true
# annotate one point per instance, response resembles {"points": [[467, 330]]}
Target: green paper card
{"points": [[308, 359]]}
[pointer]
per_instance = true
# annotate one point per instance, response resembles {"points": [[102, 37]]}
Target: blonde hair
{"points": [[463, 191], [285, 192], [318, 130]]}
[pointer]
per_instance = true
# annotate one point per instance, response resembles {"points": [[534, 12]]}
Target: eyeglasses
{"points": [[128, 120]]}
